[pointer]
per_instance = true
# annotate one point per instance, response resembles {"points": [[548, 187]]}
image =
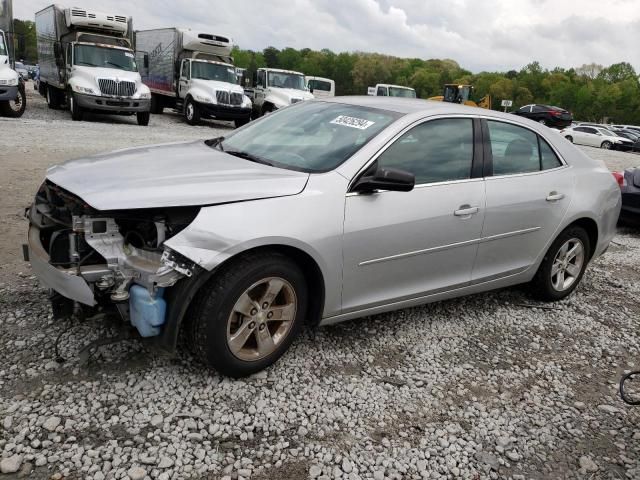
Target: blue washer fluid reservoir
{"points": [[147, 313]]}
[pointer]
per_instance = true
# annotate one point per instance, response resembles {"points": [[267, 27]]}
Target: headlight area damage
{"points": [[107, 260]]}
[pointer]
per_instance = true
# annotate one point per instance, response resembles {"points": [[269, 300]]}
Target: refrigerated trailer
{"points": [[13, 99], [87, 62], [193, 73]]}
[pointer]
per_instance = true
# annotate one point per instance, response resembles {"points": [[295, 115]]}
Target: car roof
{"points": [[416, 105]]}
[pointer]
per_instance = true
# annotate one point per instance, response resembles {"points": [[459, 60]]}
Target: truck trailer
{"points": [[193, 73], [13, 99], [87, 62]]}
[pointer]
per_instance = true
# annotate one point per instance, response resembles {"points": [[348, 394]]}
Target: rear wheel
{"points": [[143, 118], [246, 317], [570, 138], [15, 108], [52, 98], [606, 145], [563, 266], [191, 112], [77, 112], [156, 105]]}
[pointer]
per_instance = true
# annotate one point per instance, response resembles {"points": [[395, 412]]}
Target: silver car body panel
{"points": [[376, 252], [171, 175]]}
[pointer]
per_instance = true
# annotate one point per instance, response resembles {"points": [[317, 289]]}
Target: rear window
{"points": [[320, 85]]}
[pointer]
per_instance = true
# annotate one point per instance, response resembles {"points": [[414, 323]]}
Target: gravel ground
{"points": [[489, 386]]}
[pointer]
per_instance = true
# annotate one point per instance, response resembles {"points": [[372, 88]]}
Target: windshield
{"points": [[401, 92], [3, 48], [213, 71], [604, 131], [94, 56], [309, 136], [286, 80]]}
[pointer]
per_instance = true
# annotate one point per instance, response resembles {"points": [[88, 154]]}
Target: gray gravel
{"points": [[489, 386]]}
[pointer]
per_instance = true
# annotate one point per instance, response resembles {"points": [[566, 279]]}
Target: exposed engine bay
{"points": [[120, 254]]}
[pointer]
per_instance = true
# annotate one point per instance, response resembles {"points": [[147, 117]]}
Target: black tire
{"points": [[191, 111], [209, 317], [143, 118], [156, 105], [570, 138], [15, 108], [77, 112], [542, 284], [241, 122], [606, 145], [267, 108], [52, 96]]}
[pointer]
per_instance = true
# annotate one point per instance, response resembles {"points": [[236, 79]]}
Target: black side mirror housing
{"points": [[391, 179]]}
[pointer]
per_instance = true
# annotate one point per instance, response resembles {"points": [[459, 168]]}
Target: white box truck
{"points": [[87, 61], [274, 88], [192, 72], [13, 99]]}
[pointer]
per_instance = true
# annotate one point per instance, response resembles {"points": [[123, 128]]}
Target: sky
{"points": [[481, 35]]}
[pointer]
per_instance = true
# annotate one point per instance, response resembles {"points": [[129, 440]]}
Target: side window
{"points": [[514, 149], [261, 74], [580, 129], [434, 151], [185, 69], [538, 109], [593, 131], [548, 158], [382, 92]]}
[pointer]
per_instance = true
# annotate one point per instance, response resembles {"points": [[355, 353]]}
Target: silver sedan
{"points": [[321, 212]]}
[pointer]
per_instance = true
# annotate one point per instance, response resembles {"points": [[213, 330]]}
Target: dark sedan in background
{"points": [[629, 182], [554, 117]]}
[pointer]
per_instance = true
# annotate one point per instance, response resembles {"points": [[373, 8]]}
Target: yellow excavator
{"points": [[455, 93]]}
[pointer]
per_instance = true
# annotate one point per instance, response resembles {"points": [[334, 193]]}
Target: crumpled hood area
{"points": [[172, 175]]}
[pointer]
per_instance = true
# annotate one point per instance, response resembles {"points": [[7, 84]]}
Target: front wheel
{"points": [[77, 113], [240, 122], [606, 145], [191, 112], [246, 317], [563, 266], [143, 118], [570, 138], [15, 108]]}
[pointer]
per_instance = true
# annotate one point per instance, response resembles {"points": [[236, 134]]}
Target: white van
{"points": [[321, 87]]}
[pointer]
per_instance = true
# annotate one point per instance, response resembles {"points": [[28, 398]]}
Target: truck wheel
{"points": [[143, 118], [240, 122], [191, 112], [247, 315], [76, 110], [156, 105], [52, 98], [15, 108], [267, 109]]}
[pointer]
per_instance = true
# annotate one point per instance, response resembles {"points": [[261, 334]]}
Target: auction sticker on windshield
{"points": [[353, 122]]}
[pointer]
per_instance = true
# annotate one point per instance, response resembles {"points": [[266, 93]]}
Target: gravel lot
{"points": [[489, 386]]}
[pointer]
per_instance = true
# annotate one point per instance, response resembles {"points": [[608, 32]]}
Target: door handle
{"points": [[555, 196], [466, 211]]}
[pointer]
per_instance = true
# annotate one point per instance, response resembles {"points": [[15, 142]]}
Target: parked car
{"points": [[596, 137], [550, 116], [318, 213], [629, 127], [629, 135], [629, 182], [22, 70]]}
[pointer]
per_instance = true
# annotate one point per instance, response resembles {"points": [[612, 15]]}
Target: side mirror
{"points": [[391, 179]]}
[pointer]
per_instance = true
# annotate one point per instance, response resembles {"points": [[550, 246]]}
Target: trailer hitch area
{"points": [[630, 388]]}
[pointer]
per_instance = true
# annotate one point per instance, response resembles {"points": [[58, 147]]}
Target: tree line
{"points": [[591, 92]]}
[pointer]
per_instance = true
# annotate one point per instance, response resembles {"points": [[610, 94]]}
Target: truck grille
{"points": [[116, 89], [228, 98]]}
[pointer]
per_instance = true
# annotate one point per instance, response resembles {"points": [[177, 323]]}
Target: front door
{"points": [[402, 245], [185, 76], [527, 197]]}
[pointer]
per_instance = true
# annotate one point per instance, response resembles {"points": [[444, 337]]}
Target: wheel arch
{"points": [[180, 297], [591, 227]]}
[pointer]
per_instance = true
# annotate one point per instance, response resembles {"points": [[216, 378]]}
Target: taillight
{"points": [[555, 113], [619, 176]]}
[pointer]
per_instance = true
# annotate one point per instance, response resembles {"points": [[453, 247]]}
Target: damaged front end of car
{"points": [[107, 260]]}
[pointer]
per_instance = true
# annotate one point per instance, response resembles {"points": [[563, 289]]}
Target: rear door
{"points": [[403, 245], [528, 191]]}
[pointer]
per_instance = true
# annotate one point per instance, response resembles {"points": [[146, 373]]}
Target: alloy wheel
{"points": [[567, 264], [261, 319]]}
